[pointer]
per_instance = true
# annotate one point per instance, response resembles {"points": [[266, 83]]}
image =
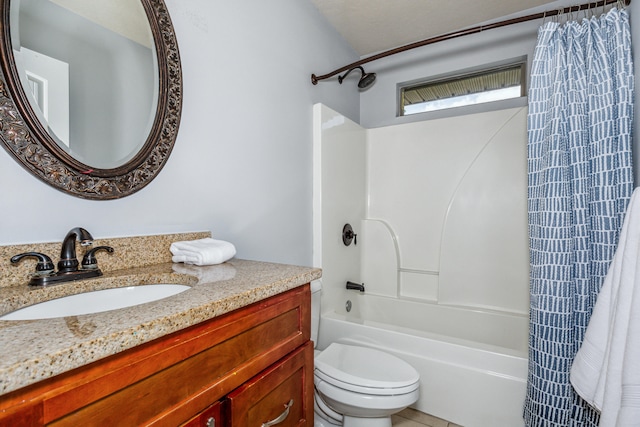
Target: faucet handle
{"points": [[44, 265], [348, 235], [89, 261]]}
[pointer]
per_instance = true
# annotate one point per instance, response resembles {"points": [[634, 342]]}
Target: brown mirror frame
{"points": [[24, 137]]}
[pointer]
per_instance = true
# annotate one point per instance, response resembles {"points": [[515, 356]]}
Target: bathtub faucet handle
{"points": [[355, 286], [348, 235]]}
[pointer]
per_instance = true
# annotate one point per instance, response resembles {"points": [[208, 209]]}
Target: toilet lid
{"points": [[365, 367]]}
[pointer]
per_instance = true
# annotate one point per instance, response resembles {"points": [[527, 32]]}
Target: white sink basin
{"points": [[95, 302]]}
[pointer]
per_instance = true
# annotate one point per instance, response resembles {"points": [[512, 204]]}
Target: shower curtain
{"points": [[580, 182]]}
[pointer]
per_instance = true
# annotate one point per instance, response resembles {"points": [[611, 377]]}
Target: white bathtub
{"points": [[472, 364]]}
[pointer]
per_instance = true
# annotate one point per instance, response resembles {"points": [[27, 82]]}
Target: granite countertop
{"points": [[34, 350]]}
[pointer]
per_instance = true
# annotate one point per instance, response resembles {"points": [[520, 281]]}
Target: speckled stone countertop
{"points": [[34, 350]]}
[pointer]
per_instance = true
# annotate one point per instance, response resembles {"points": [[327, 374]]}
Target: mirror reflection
{"points": [[89, 70]]}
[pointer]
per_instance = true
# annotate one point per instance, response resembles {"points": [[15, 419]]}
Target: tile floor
{"points": [[412, 418]]}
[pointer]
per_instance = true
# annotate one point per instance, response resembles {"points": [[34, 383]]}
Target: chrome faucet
{"points": [[68, 266]]}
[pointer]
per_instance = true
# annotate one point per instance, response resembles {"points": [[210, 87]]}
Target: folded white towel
{"points": [[202, 252]]}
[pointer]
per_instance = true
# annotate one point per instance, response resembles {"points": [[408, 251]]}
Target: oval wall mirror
{"points": [[91, 92]]}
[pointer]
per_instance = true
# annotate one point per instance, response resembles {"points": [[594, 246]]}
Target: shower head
{"points": [[365, 81]]}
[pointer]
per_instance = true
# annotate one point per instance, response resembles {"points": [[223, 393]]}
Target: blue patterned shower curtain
{"points": [[580, 182]]}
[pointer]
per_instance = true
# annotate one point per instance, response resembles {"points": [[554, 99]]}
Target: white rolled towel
{"points": [[202, 251]]}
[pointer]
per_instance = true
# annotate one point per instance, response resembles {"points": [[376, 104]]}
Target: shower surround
{"points": [[440, 210]]}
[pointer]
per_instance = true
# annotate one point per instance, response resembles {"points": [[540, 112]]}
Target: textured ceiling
{"points": [[372, 26]]}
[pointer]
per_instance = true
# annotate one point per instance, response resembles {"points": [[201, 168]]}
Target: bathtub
{"points": [[472, 364]]}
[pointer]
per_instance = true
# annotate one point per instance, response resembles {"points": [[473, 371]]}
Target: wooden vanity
{"points": [[248, 367], [233, 350]]}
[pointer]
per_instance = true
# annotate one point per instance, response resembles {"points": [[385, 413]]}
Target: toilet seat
{"points": [[365, 370]]}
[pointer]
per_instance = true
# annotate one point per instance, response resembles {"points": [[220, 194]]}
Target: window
{"points": [[489, 84]]}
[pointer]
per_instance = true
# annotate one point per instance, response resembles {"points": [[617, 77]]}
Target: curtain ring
{"points": [[569, 16]]}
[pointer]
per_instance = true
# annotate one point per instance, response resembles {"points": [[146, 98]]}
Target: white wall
{"points": [[453, 195], [440, 208], [241, 166], [339, 197]]}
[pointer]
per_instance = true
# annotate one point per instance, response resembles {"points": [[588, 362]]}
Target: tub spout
{"points": [[355, 286]]}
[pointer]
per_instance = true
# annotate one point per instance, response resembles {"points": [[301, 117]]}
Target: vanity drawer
{"points": [[282, 395], [167, 381], [210, 417]]}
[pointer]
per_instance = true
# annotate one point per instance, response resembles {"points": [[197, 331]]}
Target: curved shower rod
{"points": [[315, 79]]}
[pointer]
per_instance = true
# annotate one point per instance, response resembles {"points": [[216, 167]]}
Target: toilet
{"points": [[358, 386]]}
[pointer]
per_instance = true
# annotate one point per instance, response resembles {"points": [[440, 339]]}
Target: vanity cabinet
{"points": [[248, 367], [210, 417], [277, 396]]}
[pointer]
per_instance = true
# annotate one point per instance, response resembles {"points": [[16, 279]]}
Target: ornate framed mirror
{"points": [[106, 128]]}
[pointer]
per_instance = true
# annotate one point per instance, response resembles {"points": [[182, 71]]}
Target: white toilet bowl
{"points": [[358, 386], [323, 415], [363, 386]]}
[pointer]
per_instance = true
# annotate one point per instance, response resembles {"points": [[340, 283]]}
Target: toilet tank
{"points": [[316, 292]]}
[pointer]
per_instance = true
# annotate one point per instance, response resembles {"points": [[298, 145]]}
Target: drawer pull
{"points": [[281, 417], [211, 422]]}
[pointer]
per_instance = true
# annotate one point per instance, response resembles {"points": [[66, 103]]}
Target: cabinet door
{"points": [[281, 396], [210, 417]]}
